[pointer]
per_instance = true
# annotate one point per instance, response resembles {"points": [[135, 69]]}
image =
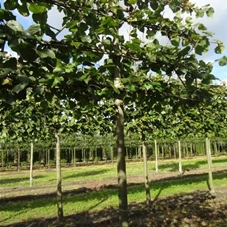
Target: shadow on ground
{"points": [[193, 209]]}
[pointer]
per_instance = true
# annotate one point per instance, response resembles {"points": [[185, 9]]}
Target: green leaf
{"points": [[19, 87], [11, 63], [202, 46], [219, 49], [86, 39], [202, 27], [210, 12], [28, 53], [222, 61], [72, 24], [23, 9], [154, 5], [10, 4], [15, 26], [184, 51], [34, 29], [6, 15], [4, 72], [57, 80], [132, 1], [34, 8], [46, 53], [175, 41]]}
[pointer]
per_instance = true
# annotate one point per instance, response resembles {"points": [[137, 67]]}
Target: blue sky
{"points": [[215, 24]]}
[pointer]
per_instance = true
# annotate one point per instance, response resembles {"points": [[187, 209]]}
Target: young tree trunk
{"points": [[156, 156], [191, 150], [74, 157], [112, 154], [31, 164], [215, 148], [126, 153], [121, 167], [2, 158], [147, 187], [120, 143], [18, 160], [59, 180], [175, 151], [163, 151], [180, 161], [209, 161], [48, 158]]}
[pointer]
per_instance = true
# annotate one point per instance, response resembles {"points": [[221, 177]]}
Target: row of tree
{"points": [[72, 155], [93, 76]]}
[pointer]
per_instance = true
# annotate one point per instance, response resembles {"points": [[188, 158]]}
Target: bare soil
{"points": [[200, 208]]}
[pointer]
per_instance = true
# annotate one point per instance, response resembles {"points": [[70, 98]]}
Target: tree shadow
{"points": [[86, 173], [18, 179], [109, 216], [180, 210], [174, 166]]}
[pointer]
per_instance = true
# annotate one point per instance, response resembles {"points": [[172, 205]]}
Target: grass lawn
{"points": [[17, 211], [84, 173]]}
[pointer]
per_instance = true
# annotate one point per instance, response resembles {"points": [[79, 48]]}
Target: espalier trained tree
{"points": [[95, 61]]}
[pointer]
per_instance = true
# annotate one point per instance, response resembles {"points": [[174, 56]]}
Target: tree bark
{"points": [[48, 159], [209, 161], [112, 154], [146, 180], [31, 164], [180, 161], [215, 148], [120, 143], [74, 157], [18, 160], [121, 167], [2, 158], [59, 180], [156, 156]]}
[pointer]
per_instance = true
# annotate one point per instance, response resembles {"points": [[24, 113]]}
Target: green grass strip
{"points": [[14, 212]]}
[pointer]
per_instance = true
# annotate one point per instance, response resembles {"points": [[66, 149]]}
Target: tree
{"points": [[70, 68]]}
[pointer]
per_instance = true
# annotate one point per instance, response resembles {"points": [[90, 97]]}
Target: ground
{"points": [[200, 208]]}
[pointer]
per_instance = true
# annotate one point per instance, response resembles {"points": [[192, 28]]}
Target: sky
{"points": [[215, 24]]}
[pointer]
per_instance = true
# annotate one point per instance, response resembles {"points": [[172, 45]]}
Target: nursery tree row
{"points": [[92, 75]]}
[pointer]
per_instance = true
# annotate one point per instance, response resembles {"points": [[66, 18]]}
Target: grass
{"points": [[14, 212], [44, 177]]}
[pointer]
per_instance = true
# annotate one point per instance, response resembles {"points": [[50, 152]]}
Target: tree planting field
{"points": [[90, 195]]}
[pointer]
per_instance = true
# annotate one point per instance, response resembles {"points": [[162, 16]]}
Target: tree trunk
{"points": [[74, 157], [18, 160], [180, 161], [112, 154], [126, 153], [2, 158], [174, 150], [156, 156], [209, 161], [163, 152], [215, 149], [31, 164], [147, 187], [121, 167], [59, 180], [191, 150], [120, 143], [48, 158]]}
